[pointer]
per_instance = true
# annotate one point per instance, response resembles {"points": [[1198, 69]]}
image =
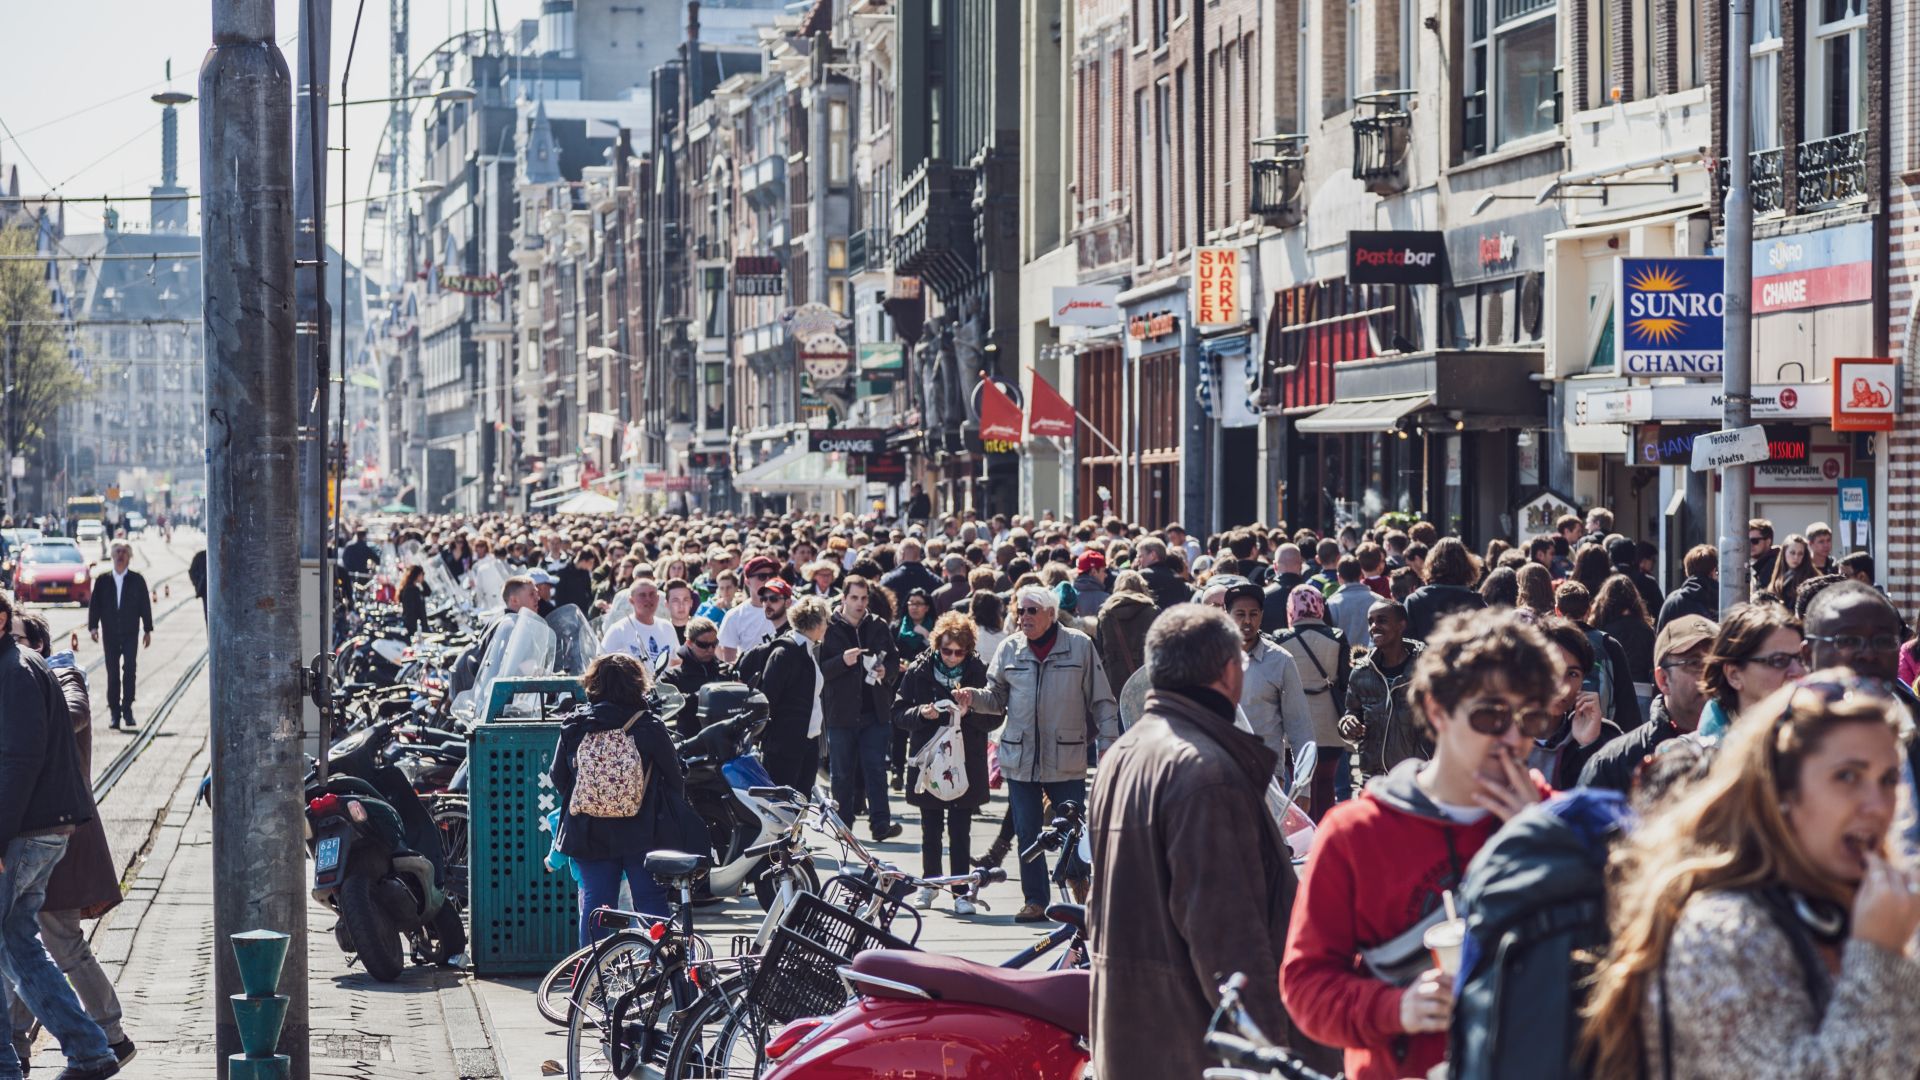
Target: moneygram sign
{"points": [[1670, 317]]}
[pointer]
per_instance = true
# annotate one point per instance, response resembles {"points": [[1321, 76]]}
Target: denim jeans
{"points": [[67, 945], [857, 760], [24, 963], [600, 887], [1023, 798]]}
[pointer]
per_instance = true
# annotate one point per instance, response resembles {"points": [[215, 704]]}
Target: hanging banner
{"points": [[602, 425], [1000, 418], [1051, 416], [1216, 287]]}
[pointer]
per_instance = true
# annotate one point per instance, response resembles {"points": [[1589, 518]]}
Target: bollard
{"points": [[259, 1013]]}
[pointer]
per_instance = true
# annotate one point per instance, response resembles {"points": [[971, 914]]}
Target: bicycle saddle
{"points": [[674, 866]]}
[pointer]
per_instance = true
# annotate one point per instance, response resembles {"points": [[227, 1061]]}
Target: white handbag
{"points": [[942, 762]]}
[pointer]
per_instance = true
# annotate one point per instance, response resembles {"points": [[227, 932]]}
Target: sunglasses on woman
{"points": [[1495, 718], [953, 654]]}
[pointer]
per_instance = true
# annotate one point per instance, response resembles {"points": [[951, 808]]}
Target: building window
{"points": [[837, 144], [1352, 88], [1409, 35], [1837, 84], [836, 254], [837, 294], [1765, 51], [1163, 168], [1512, 84]]}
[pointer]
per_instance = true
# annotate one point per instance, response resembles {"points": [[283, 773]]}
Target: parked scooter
{"points": [[744, 811], [378, 860]]}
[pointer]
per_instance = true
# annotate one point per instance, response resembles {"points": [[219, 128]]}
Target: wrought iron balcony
{"points": [[1831, 170], [1277, 178], [1380, 141]]}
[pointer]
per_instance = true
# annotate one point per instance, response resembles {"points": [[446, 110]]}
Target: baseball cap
{"points": [[540, 576], [1091, 562], [780, 587], [759, 565], [1238, 587], [1681, 634]]}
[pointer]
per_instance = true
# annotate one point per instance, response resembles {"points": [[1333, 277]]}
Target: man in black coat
{"points": [[911, 573], [122, 608], [1700, 593], [197, 573], [792, 682], [856, 703], [573, 583], [1150, 558], [1626, 562], [1289, 570], [699, 665], [43, 800]]}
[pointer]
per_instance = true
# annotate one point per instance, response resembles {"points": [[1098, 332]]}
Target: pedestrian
{"points": [[1853, 626], [1793, 569], [1452, 571], [1758, 930], [1380, 718], [989, 615], [680, 599], [1121, 628], [1820, 548], [1680, 663], [1356, 974], [911, 573], [915, 630], [1324, 660], [952, 663], [1090, 584], [1271, 695], [43, 802], [607, 847], [543, 604], [642, 634], [1620, 612], [197, 573], [1500, 588], [414, 591], [859, 666], [1048, 682], [1326, 576], [573, 582], [1155, 564], [1699, 594], [747, 625], [85, 884], [1349, 603], [1761, 554], [955, 588], [698, 663], [791, 679], [1289, 569], [1584, 726], [1759, 648], [1625, 555], [1608, 672], [1191, 879], [122, 609]]}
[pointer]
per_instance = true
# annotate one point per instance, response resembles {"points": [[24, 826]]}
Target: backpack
{"points": [[610, 781], [1602, 672], [1535, 902]]}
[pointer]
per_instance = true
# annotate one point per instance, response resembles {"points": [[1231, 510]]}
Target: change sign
{"points": [[1670, 317]]}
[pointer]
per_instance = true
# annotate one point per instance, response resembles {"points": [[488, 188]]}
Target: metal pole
{"points": [[253, 554], [312, 329], [1736, 373]]}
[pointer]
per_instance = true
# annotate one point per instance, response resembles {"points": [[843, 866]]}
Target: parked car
{"points": [[53, 574]]}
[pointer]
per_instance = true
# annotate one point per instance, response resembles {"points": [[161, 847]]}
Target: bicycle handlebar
{"points": [[1236, 1051]]}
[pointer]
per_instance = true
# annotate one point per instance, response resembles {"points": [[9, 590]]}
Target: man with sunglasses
{"points": [[1761, 554], [1373, 886], [1680, 661], [750, 624], [698, 664]]}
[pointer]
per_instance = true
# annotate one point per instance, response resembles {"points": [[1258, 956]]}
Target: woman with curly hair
{"points": [[1758, 928]]}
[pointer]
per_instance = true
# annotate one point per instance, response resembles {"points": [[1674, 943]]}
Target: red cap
{"points": [[779, 585], [1091, 562], [759, 564]]}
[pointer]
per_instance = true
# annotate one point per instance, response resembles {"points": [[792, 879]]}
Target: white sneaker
{"points": [[925, 899], [962, 906]]}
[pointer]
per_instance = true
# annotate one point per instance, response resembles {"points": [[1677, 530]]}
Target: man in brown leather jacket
{"points": [[1192, 880]]}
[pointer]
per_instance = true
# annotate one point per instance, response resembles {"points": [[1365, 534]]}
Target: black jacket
{"points": [[1273, 614], [1431, 603], [197, 572], [120, 616], [918, 687], [618, 838], [574, 586], [846, 698], [787, 680], [1166, 586], [1695, 596], [41, 786], [907, 577], [413, 607], [1636, 637], [1613, 766], [692, 674], [1648, 588]]}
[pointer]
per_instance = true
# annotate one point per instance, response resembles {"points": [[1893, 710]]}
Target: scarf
{"points": [[948, 677], [1305, 602]]}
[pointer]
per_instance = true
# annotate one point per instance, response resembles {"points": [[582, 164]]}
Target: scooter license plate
{"points": [[327, 855]]}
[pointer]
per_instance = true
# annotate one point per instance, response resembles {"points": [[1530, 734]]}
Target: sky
{"points": [[76, 75]]}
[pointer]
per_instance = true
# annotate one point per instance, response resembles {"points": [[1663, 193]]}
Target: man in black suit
{"points": [[123, 607]]}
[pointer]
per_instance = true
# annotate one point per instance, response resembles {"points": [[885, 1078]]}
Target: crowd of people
{"points": [[1765, 748]]}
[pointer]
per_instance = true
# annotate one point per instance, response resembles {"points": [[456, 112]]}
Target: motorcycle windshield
{"points": [[1294, 823], [489, 576], [575, 642], [618, 608], [527, 647], [447, 593]]}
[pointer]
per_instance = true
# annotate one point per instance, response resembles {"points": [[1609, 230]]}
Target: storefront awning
{"points": [[1353, 417], [796, 472]]}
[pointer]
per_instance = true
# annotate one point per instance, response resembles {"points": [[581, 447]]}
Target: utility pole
{"points": [[253, 554], [313, 325], [1736, 372]]}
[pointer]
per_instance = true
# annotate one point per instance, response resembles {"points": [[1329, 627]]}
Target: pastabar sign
{"points": [[1671, 316], [1216, 288], [1396, 257], [1085, 305]]}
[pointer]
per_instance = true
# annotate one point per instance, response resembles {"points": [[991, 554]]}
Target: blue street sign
{"points": [[1671, 316]]}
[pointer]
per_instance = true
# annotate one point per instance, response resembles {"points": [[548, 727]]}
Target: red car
{"points": [[53, 574]]}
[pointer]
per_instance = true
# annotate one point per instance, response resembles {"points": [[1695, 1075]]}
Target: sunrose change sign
{"points": [[1670, 316]]}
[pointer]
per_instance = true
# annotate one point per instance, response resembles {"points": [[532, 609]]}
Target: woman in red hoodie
{"points": [[1356, 973]]}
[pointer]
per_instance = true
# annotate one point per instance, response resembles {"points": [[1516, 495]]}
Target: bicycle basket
{"points": [[798, 976], [850, 893]]}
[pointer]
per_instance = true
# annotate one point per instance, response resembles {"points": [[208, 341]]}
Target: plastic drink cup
{"points": [[1443, 940]]}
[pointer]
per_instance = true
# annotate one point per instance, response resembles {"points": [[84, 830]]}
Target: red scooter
{"points": [[923, 1014]]}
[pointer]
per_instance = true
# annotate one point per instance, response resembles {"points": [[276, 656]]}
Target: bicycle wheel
{"points": [[450, 817], [721, 1037], [618, 965], [557, 987]]}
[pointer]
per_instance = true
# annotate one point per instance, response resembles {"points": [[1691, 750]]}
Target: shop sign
{"points": [[1085, 305], [1156, 324], [813, 318], [887, 468], [1497, 251], [1864, 398], [882, 356], [1856, 521], [904, 287], [653, 479], [825, 357], [1671, 316], [1656, 444], [1538, 514], [471, 284], [1815, 269], [1798, 401], [1396, 257], [1216, 287], [758, 275], [1786, 442], [1819, 472], [679, 483], [846, 440]]}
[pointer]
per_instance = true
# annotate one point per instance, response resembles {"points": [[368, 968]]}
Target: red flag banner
{"points": [[1000, 419], [1051, 415]]}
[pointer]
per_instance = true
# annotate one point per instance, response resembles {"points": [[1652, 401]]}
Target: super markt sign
{"points": [[1670, 318]]}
